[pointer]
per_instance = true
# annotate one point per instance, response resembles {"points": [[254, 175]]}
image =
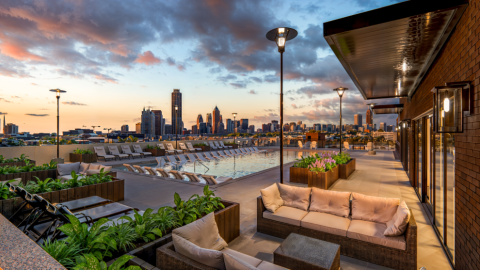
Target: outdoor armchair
{"points": [[114, 151], [170, 152], [225, 146], [129, 167], [139, 169], [212, 145], [138, 149], [217, 145], [170, 148], [183, 147], [100, 151], [126, 150], [191, 148]]}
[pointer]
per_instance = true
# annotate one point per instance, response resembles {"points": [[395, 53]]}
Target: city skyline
{"points": [[109, 78]]}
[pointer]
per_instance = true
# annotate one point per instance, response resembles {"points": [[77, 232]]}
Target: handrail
{"points": [[194, 167]]}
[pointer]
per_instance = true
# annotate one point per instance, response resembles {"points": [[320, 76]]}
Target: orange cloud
{"points": [[148, 59], [18, 52]]}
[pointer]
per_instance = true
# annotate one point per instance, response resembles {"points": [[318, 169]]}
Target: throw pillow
{"points": [[330, 202], [94, 166], [203, 233], [297, 197], [212, 258], [92, 172], [105, 168], [271, 198], [371, 208], [68, 168], [398, 224], [83, 168], [234, 263]]}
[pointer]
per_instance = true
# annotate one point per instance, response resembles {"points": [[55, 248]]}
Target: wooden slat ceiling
{"points": [[388, 51], [388, 109]]}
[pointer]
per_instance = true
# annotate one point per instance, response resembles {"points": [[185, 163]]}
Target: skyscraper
{"points": [[177, 115], [138, 128], [229, 126], [244, 124], [383, 126], [216, 120], [148, 123], [124, 129], [158, 122], [209, 119], [199, 120], [202, 128], [369, 117], [357, 120]]}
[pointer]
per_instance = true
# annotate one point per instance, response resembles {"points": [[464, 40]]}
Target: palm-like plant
{"points": [[62, 252], [90, 262]]}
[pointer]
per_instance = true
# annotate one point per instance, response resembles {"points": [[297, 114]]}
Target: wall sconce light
{"points": [[449, 104]]}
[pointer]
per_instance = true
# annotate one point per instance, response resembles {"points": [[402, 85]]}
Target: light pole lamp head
{"points": [[176, 107], [58, 91], [281, 35], [340, 90], [371, 105], [234, 114]]}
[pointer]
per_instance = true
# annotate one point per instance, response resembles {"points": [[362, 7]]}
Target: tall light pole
{"points": [[280, 36], [234, 124], [176, 126], [57, 93], [340, 91]]}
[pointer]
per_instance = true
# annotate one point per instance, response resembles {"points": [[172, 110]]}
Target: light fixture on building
{"points": [[449, 104]]}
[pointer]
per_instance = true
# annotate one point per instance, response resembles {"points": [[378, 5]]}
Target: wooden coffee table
{"points": [[302, 252]]}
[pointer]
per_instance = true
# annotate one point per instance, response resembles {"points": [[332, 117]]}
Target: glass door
{"points": [[428, 163], [419, 148]]}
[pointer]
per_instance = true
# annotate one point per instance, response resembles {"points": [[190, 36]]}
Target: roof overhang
{"points": [[388, 51], [388, 109]]}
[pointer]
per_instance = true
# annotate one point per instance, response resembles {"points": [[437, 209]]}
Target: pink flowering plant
{"points": [[322, 165]]}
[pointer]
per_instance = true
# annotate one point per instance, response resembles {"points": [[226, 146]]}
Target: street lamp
{"points": [[340, 92], [281, 36], [370, 106], [176, 126], [57, 93], [234, 122]]}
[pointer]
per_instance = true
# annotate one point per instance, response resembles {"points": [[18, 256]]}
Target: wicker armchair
{"points": [[169, 259], [365, 251]]}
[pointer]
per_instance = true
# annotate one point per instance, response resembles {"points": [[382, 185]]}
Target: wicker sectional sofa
{"points": [[398, 252]]}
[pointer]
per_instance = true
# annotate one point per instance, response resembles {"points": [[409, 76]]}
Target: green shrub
{"points": [[82, 151]]}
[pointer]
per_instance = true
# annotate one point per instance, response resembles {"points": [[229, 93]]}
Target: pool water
{"points": [[235, 167]]}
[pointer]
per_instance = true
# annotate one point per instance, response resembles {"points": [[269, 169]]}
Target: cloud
{"points": [[226, 78], [295, 106], [256, 79], [147, 58], [73, 103], [266, 118], [34, 84], [16, 97], [252, 92], [34, 114], [4, 100], [238, 84], [43, 109]]}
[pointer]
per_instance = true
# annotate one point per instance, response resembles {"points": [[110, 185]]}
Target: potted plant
{"points": [[17, 161], [299, 170], [155, 150], [346, 165], [233, 144], [204, 146], [83, 155], [323, 172]]}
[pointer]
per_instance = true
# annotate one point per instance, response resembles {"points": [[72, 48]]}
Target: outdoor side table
{"points": [[302, 252]]}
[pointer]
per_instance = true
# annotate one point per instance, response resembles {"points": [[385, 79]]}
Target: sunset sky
{"points": [[115, 57]]}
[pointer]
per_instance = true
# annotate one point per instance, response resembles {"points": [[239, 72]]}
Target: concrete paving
{"points": [[378, 175]]}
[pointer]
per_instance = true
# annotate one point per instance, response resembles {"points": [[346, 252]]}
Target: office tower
{"points": [[265, 128], [357, 119], [299, 123], [293, 126], [138, 128], [199, 120], [221, 128], [389, 128], [202, 128], [244, 123], [216, 120], [329, 128], [194, 129], [274, 122], [168, 129], [229, 126], [4, 124], [383, 126], [369, 117], [158, 122], [209, 118], [303, 127], [163, 126], [148, 123], [10, 129], [124, 129], [221, 118], [251, 129], [177, 115]]}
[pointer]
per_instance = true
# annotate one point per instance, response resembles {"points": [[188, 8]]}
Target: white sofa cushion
{"points": [[210, 257], [264, 265], [83, 168], [271, 198], [244, 257], [67, 168], [234, 263], [331, 202], [286, 214], [372, 232], [398, 224], [298, 197], [371, 208], [326, 223], [203, 233]]}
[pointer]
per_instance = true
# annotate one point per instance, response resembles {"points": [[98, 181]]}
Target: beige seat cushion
{"points": [[210, 257], [203, 233], [234, 263], [271, 198], [105, 168], [298, 197], [398, 224], [371, 208], [372, 232], [286, 214], [331, 202], [242, 256], [92, 172], [326, 223], [264, 265], [95, 166], [83, 168]]}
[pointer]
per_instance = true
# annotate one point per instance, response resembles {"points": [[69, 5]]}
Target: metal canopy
{"points": [[388, 51], [388, 109]]}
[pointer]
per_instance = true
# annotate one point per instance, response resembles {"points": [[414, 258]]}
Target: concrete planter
{"points": [[85, 158], [114, 191], [323, 180], [299, 175], [345, 170], [156, 152], [29, 176]]}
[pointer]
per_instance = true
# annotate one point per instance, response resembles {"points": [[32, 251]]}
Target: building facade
{"points": [[124, 129], [158, 122], [369, 117], [148, 123], [357, 120], [138, 128], [177, 119], [216, 120]]}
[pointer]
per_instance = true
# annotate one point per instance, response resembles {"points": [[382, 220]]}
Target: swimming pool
{"points": [[235, 167]]}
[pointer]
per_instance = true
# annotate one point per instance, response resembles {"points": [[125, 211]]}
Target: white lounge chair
{"points": [[223, 155], [212, 145], [161, 161], [313, 145], [227, 153], [172, 160], [100, 151], [183, 147], [209, 157], [191, 148], [259, 151], [163, 173], [170, 148], [201, 157], [179, 175], [232, 152], [129, 167], [217, 145], [140, 169], [225, 146], [300, 144], [347, 145], [126, 150], [183, 159], [170, 152], [192, 157], [215, 155], [150, 171], [213, 181], [239, 152], [195, 178], [248, 150], [244, 151], [138, 149], [114, 151]]}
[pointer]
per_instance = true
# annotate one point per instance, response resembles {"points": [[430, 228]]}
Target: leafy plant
{"points": [[143, 225], [41, 186], [186, 211], [82, 151], [5, 192], [90, 262], [207, 203], [62, 252], [164, 219], [74, 182], [57, 184], [342, 158], [124, 234], [305, 162]]}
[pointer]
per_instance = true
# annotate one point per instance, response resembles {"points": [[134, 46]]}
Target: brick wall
{"points": [[460, 61]]}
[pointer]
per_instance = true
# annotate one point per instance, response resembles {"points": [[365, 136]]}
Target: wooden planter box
{"points": [[85, 158], [156, 152], [345, 170], [29, 176], [114, 191], [18, 163], [228, 223], [234, 146], [299, 175], [323, 180], [204, 148]]}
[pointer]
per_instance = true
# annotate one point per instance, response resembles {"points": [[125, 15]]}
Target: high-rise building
{"points": [[221, 128], [265, 128], [4, 124], [148, 123], [251, 129], [199, 120], [369, 117], [158, 122], [10, 129], [229, 125], [383, 126], [138, 128], [124, 129], [163, 126], [357, 119], [177, 114], [389, 128], [244, 124], [209, 119], [216, 120], [293, 126], [168, 129], [299, 123], [194, 129], [202, 128]]}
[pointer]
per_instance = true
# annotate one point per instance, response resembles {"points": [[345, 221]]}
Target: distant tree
{"points": [[380, 130]]}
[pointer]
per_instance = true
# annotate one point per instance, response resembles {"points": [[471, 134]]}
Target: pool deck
{"points": [[379, 175]]}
